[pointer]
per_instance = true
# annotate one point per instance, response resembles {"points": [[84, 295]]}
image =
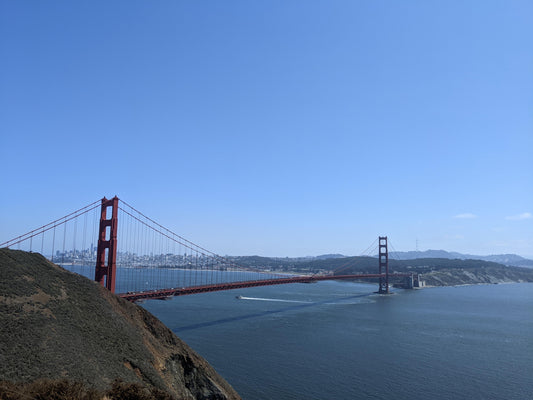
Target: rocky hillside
{"points": [[59, 325], [447, 272], [480, 275]]}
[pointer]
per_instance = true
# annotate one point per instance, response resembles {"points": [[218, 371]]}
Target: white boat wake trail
{"points": [[277, 300]]}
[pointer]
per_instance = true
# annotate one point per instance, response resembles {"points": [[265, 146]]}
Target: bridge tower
{"points": [[106, 253], [383, 266]]}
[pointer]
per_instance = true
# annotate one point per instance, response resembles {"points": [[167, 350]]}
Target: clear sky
{"points": [[277, 128]]}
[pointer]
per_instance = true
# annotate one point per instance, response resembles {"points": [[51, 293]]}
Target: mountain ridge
{"points": [[505, 259], [513, 260]]}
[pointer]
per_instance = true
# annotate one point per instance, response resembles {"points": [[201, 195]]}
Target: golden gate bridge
{"points": [[138, 258]]}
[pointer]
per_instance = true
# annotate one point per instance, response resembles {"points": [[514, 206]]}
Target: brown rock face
{"points": [[55, 324]]}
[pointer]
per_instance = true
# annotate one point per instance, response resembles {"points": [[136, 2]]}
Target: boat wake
{"points": [[276, 300]]}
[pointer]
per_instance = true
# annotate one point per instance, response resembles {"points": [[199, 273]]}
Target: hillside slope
{"points": [[56, 324], [448, 272]]}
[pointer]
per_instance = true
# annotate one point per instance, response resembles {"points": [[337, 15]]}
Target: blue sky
{"points": [[279, 128]]}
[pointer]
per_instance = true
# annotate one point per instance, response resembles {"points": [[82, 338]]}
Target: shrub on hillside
{"points": [[134, 391]]}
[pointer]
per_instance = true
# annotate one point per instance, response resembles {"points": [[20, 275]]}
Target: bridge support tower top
{"points": [[383, 266], [106, 253]]}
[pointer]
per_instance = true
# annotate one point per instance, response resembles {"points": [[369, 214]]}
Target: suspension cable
{"points": [[186, 243], [51, 225], [354, 260]]}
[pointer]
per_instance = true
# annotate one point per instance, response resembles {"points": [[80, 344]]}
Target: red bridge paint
{"points": [[167, 293], [106, 254]]}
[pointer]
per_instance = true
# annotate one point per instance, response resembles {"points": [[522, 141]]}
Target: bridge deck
{"points": [[171, 292]]}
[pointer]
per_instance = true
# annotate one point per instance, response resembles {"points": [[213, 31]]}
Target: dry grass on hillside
{"points": [[68, 390]]}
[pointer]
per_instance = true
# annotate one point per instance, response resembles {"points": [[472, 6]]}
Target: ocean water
{"points": [[339, 340]]}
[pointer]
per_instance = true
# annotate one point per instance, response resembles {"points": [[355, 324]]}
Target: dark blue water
{"points": [[149, 278], [338, 340]]}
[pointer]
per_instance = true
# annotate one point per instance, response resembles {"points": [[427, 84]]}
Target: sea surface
{"points": [[339, 340]]}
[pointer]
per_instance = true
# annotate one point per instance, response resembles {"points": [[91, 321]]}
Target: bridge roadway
{"points": [[162, 294]]}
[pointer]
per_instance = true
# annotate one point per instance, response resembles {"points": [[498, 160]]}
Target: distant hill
{"points": [[505, 259], [280, 262], [58, 325], [445, 271], [435, 271], [327, 256]]}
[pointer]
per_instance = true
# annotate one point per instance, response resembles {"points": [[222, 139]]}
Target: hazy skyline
{"points": [[275, 128]]}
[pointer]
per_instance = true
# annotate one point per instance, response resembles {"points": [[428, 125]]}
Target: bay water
{"points": [[340, 340]]}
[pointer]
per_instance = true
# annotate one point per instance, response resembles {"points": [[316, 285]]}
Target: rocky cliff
{"points": [[55, 324]]}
